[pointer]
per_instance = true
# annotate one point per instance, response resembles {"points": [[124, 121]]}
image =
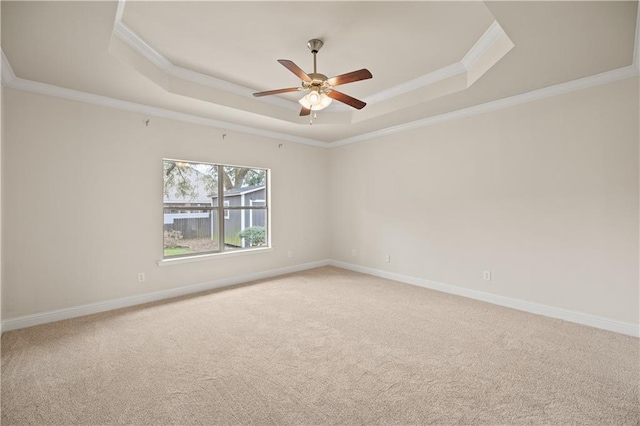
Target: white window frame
{"points": [[223, 209]]}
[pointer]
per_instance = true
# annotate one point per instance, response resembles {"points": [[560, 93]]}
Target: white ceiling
{"points": [[205, 58]]}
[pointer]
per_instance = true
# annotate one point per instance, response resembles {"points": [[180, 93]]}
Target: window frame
{"points": [[223, 209]]}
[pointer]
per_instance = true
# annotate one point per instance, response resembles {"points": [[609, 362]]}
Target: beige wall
{"points": [[83, 197], [544, 195], [1, 181], [1, 196]]}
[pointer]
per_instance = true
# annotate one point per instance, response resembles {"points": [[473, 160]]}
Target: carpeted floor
{"points": [[324, 346]]}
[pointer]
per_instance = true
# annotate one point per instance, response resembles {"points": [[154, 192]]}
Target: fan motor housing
{"points": [[318, 80]]}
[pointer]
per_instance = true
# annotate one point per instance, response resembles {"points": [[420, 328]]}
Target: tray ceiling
{"points": [[205, 58]]}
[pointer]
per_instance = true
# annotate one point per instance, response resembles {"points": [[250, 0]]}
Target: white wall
{"points": [[544, 195], [1, 181], [83, 202]]}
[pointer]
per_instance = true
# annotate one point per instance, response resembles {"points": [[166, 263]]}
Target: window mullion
{"points": [[221, 230]]}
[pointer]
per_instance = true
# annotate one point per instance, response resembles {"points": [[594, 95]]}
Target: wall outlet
{"points": [[290, 254], [387, 259], [141, 277], [486, 275], [353, 252]]}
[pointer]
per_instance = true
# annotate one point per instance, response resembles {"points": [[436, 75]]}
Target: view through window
{"points": [[196, 221]]}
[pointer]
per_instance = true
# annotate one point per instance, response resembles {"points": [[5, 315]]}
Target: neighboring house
{"points": [[237, 220]]}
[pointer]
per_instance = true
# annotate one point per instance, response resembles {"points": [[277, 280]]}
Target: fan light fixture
{"points": [[315, 100], [321, 89]]}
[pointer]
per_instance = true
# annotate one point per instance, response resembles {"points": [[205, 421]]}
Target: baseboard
{"points": [[621, 327], [94, 308], [522, 305]]}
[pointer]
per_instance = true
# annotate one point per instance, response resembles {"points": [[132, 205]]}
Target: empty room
{"points": [[320, 213]]}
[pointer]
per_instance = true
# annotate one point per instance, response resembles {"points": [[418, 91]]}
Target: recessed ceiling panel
{"points": [[241, 41]]}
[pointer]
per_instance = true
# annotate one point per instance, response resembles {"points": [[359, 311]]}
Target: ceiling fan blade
{"points": [[346, 99], [304, 111], [275, 92], [350, 77], [296, 70]]}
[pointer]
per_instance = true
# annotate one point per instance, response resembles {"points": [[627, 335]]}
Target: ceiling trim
{"points": [[558, 89], [484, 43], [124, 33], [10, 80], [127, 35], [636, 47], [119, 12], [6, 72], [491, 36], [422, 81]]}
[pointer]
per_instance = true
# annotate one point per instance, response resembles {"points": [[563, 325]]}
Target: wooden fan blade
{"points": [[275, 92], [304, 112], [296, 70], [346, 99], [350, 77]]}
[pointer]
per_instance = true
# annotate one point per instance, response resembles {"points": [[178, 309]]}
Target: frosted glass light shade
{"points": [[315, 100]]}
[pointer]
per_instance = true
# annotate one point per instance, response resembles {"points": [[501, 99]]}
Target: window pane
{"points": [[245, 229], [244, 186], [190, 232], [190, 183], [197, 222]]}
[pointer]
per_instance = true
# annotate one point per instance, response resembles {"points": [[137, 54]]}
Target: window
{"points": [[196, 222]]}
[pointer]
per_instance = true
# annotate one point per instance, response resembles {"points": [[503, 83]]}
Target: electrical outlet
{"points": [[387, 259], [290, 253], [141, 277], [353, 252], [486, 275]]}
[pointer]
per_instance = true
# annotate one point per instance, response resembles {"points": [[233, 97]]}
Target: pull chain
{"points": [[312, 117]]}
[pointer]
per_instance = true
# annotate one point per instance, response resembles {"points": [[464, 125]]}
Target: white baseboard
{"points": [[621, 327], [93, 308], [522, 305]]}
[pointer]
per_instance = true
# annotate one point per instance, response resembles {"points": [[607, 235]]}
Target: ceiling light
{"points": [[315, 100]]}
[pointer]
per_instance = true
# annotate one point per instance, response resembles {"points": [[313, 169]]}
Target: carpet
{"points": [[324, 346]]}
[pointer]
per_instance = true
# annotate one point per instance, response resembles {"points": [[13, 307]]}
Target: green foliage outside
{"points": [[175, 251], [180, 178], [254, 236]]}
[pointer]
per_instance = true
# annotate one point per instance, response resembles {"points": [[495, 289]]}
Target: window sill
{"points": [[212, 256]]}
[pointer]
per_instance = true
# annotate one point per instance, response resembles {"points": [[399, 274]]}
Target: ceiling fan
{"points": [[320, 88]]}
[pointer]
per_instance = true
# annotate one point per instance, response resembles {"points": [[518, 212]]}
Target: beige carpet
{"points": [[325, 346]]}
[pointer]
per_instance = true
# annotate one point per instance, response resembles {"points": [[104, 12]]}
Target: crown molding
{"points": [[422, 81], [636, 47], [558, 89], [119, 13], [131, 38], [126, 34], [76, 95], [6, 72], [484, 43], [10, 80]]}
